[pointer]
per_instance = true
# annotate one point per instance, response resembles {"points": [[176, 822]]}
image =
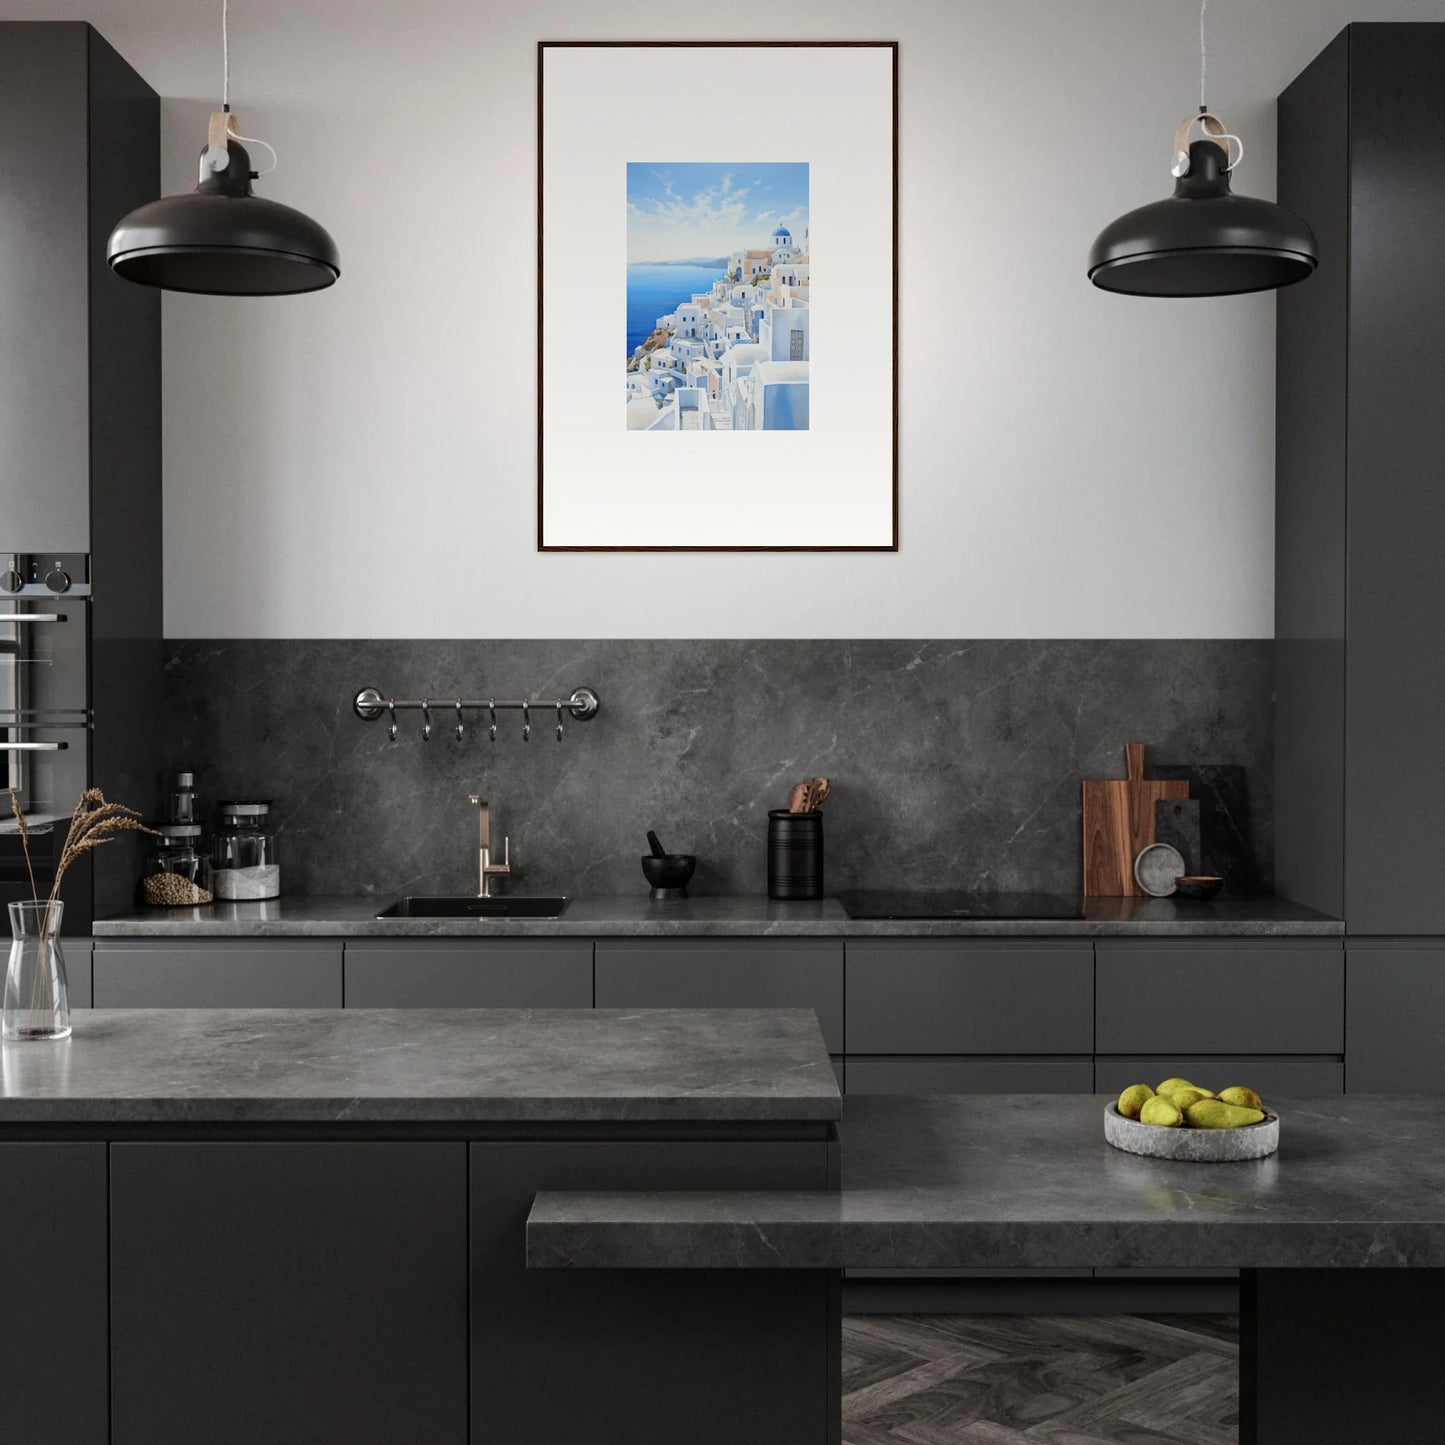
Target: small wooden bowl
{"points": [[1198, 885]]}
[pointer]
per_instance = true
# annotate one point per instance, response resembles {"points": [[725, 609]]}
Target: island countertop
{"points": [[423, 1066], [1028, 1182], [722, 916]]}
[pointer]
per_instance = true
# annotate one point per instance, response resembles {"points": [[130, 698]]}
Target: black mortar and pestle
{"points": [[667, 872]]}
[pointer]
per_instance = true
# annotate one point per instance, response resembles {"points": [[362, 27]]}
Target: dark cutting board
{"points": [[1118, 823], [1226, 839], [1176, 822]]}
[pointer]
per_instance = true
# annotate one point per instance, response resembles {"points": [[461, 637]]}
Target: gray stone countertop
{"points": [[422, 1066], [1028, 1182], [636, 916]]}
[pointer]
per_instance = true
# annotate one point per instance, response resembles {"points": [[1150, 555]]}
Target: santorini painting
{"points": [[718, 300]]}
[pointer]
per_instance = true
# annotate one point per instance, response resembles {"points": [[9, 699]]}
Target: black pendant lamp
{"points": [[1203, 240], [222, 239]]}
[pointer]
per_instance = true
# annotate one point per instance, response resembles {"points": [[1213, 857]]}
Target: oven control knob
{"points": [[11, 580], [58, 580]]}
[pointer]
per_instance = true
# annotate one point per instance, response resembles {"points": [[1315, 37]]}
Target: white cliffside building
{"points": [[736, 357]]}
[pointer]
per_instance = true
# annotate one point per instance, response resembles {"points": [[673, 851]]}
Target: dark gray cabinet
{"points": [[549, 1346], [53, 1255], [300, 1293], [460, 973], [77, 953], [948, 996], [80, 388], [970, 1076], [1395, 1025], [1158, 997], [1274, 1077], [270, 973], [718, 973], [1360, 707]]}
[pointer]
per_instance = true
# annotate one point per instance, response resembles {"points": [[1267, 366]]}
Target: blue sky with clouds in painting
{"points": [[683, 209]]}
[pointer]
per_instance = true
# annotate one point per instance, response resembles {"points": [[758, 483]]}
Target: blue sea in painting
{"points": [[653, 290]]}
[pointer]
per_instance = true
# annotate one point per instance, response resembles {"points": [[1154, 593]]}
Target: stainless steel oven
{"points": [[45, 717]]}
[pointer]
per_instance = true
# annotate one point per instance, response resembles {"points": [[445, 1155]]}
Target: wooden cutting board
{"points": [[1118, 822]]}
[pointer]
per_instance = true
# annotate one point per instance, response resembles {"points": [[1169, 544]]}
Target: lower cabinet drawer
{"points": [[1396, 1020], [969, 1076], [1157, 997], [759, 973], [519, 973], [281, 973], [946, 997], [1298, 1078]]}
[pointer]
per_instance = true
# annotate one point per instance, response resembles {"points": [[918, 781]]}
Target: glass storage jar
{"points": [[244, 864], [177, 870], [178, 798]]}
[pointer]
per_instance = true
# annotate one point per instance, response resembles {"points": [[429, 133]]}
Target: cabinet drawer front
{"points": [[469, 975], [763, 973], [1298, 1078], [283, 974], [970, 1076], [950, 998], [1212, 999], [1396, 1024]]}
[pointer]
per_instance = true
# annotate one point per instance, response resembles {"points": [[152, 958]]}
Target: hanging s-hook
{"points": [[559, 722], [426, 719], [461, 725], [526, 723], [391, 708], [492, 729]]}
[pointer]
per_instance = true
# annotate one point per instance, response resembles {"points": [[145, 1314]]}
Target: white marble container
{"points": [[1194, 1146]]}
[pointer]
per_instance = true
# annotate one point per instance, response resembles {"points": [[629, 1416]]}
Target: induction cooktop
{"points": [[888, 904]]}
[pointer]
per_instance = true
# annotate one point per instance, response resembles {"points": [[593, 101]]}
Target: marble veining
{"points": [[636, 916], [422, 1066], [954, 764], [1028, 1182]]}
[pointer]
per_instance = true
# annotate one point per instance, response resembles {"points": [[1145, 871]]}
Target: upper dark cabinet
{"points": [[1360, 503], [80, 362]]}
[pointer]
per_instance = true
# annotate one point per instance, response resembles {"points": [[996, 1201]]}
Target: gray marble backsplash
{"points": [[954, 764]]}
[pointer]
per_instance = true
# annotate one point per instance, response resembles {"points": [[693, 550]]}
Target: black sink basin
{"points": [[464, 907]]}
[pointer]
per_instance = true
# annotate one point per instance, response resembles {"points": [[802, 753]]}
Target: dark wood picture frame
{"points": [[542, 47]]}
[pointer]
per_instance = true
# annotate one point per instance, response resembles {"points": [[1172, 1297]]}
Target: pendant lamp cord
{"points": [[226, 92], [1203, 55]]}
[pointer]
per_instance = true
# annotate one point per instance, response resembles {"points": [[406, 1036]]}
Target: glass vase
{"points": [[37, 1001]]}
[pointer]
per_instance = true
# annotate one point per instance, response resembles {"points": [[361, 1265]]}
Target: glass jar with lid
{"points": [[244, 862], [178, 798], [177, 871]]}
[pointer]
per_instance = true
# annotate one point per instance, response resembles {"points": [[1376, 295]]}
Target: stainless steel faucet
{"points": [[487, 869]]}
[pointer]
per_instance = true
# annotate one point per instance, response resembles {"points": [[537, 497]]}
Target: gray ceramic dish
{"points": [[1193, 1146], [1156, 868]]}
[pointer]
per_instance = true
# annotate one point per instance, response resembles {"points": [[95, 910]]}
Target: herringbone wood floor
{"points": [[1040, 1380]]}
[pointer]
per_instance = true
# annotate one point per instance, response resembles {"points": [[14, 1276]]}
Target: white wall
{"points": [[362, 462]]}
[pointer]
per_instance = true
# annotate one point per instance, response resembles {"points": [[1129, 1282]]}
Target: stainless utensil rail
{"points": [[370, 703]]}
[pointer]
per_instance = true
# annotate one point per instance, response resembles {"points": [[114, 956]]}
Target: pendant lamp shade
{"points": [[1203, 240], [223, 239]]}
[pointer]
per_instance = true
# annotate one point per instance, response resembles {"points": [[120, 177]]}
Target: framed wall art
{"points": [[717, 296]]}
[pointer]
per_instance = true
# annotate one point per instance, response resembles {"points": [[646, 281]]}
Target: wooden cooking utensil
{"points": [[1119, 822], [797, 799]]}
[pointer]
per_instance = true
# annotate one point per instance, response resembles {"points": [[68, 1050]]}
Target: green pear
{"points": [[1215, 1114], [1183, 1098], [1133, 1099], [1245, 1098], [1169, 1086], [1160, 1111]]}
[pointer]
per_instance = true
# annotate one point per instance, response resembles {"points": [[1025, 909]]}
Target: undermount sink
{"points": [[473, 907]]}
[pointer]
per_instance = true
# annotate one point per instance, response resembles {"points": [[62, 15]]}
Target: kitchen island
{"points": [[1341, 1235], [309, 1226]]}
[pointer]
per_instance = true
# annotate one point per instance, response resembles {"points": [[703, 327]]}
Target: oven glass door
{"points": [[44, 729]]}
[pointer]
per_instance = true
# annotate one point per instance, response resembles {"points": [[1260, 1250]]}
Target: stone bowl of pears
{"points": [[1180, 1120]]}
